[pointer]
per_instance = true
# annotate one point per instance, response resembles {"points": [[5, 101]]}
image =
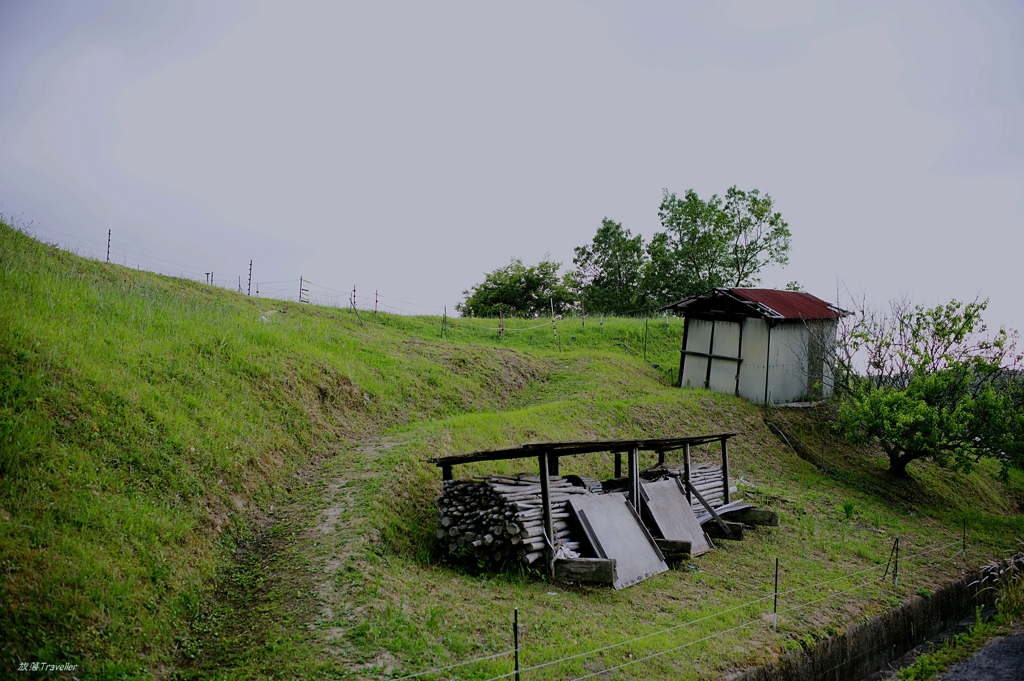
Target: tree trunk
{"points": [[898, 464]]}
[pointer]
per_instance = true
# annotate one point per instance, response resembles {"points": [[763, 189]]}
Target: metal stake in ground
{"points": [[645, 339], [108, 244], [896, 566], [965, 538], [515, 639], [248, 290], [775, 607]]}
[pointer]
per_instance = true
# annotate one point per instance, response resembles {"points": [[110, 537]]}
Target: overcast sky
{"points": [[411, 147]]}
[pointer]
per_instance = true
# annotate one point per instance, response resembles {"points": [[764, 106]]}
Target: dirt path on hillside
{"points": [[291, 600]]}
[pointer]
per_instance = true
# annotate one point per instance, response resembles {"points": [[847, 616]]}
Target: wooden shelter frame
{"points": [[547, 455]]}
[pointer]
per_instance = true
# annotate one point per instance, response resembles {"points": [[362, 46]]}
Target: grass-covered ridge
{"points": [[193, 480]]}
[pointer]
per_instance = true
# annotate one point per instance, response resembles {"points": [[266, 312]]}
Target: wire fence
{"points": [[556, 668], [298, 289]]}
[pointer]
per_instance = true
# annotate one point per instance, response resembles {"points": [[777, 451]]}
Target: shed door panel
{"points": [[727, 344], [698, 339], [755, 359]]}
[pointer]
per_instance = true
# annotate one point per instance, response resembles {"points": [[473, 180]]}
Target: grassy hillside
{"points": [[193, 480]]}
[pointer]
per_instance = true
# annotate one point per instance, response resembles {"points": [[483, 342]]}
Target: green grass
{"points": [[196, 482]]}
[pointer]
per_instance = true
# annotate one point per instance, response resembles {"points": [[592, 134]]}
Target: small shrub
{"points": [[848, 509], [1010, 598], [924, 593]]}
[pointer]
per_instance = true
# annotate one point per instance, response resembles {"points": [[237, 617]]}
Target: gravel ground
{"points": [[1001, 659]]}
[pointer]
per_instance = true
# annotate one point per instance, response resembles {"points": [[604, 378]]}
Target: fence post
{"points": [[583, 312], [965, 538], [515, 635], [248, 291], [775, 606], [896, 566], [645, 343], [376, 299], [109, 231]]}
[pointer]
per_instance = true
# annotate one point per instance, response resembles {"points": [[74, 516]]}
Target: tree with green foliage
{"points": [[723, 242], [516, 290], [933, 385], [757, 235], [609, 270], [705, 244]]}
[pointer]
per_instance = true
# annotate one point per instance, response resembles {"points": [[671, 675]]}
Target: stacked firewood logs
{"points": [[501, 517]]}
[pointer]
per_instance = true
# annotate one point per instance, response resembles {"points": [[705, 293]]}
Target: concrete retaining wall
{"points": [[865, 648]]}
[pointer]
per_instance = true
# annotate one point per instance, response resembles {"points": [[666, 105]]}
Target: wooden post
{"points": [[965, 538], [545, 496], [446, 472], [109, 232], [376, 299], [553, 465], [618, 465], [711, 351], [661, 458], [248, 291], [725, 468], [682, 353], [634, 477], [583, 312], [686, 471], [501, 320]]}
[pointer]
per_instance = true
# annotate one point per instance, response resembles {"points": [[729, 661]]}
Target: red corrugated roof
{"points": [[789, 304]]}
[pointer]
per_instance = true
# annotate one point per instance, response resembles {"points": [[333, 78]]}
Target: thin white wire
{"points": [[457, 664], [655, 633]]}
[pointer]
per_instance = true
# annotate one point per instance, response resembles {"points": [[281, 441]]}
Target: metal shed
{"points": [[764, 345]]}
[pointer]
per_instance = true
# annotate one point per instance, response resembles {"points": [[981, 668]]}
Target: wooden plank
{"points": [[718, 519], [588, 532], [674, 550], [621, 536], [753, 516], [545, 496], [734, 531], [725, 469], [530, 449], [673, 515], [593, 570]]}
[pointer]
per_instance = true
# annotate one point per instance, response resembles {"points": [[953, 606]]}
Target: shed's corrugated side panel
{"points": [[755, 357], [698, 339], [787, 363], [726, 343]]}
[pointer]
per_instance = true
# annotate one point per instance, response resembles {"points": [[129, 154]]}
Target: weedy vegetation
{"points": [[196, 483]]}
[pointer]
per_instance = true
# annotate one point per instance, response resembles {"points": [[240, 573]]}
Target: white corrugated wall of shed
{"points": [[755, 356], [726, 343], [787, 362], [698, 339], [828, 378]]}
